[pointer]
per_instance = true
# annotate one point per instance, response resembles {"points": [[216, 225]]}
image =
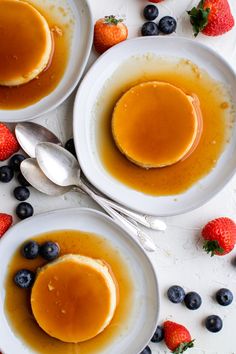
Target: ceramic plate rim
{"points": [[79, 145], [7, 239]]}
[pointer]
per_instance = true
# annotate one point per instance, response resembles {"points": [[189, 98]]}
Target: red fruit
{"points": [[5, 223], [109, 31], [211, 17], [8, 143], [220, 236], [177, 337]]}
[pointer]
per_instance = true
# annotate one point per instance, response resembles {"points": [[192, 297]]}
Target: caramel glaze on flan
{"points": [[156, 124], [25, 42], [74, 298]]}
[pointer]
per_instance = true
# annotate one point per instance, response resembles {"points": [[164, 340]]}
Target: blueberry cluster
{"points": [[21, 193], [193, 301], [49, 251], [166, 25]]}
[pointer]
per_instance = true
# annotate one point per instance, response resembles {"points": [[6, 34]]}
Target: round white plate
{"points": [[82, 37], [142, 323], [85, 135]]}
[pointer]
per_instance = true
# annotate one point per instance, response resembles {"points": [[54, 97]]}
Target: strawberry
{"points": [[109, 31], [8, 143], [211, 17], [220, 236], [5, 223], [177, 337]]}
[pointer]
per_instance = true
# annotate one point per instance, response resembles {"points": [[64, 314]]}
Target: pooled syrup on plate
{"points": [[27, 94], [17, 301], [217, 118]]}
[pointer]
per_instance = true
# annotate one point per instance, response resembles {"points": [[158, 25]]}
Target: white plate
{"points": [[85, 135], [142, 324], [81, 43]]}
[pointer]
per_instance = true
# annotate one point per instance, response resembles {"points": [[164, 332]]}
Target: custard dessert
{"points": [[156, 124], [74, 298], [22, 58]]}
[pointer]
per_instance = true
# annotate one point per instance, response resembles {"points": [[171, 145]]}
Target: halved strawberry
{"points": [[8, 143]]}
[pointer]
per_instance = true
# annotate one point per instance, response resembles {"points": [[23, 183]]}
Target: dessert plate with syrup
{"points": [[159, 134], [44, 50], [98, 295]]}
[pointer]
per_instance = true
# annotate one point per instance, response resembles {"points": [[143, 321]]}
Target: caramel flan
{"points": [[156, 124], [26, 42], [74, 298]]}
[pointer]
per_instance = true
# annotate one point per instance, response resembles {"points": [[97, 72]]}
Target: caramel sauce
{"points": [[217, 112], [17, 301], [24, 95]]}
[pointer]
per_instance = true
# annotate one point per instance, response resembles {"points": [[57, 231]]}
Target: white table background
{"points": [[179, 258]]}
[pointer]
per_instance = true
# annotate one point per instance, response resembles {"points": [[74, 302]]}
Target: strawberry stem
{"points": [[199, 17], [183, 346], [212, 247], [112, 20]]}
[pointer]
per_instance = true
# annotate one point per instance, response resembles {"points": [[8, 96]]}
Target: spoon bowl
{"points": [[30, 134], [64, 168]]}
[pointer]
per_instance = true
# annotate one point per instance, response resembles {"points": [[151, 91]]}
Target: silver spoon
{"points": [[30, 134], [62, 168]]}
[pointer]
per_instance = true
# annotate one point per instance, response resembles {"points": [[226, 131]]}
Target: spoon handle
{"points": [[144, 239], [151, 222]]}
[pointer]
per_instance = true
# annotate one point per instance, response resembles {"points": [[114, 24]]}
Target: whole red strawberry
{"points": [[177, 337], [220, 236], [5, 223], [8, 143], [109, 31], [211, 17]]}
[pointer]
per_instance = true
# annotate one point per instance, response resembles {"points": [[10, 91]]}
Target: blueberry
{"points": [[15, 161], [24, 278], [224, 297], [70, 146], [30, 250], [21, 179], [6, 174], [214, 323], [176, 294], [192, 300], [24, 210], [21, 193], [167, 25], [146, 350], [158, 336], [150, 29], [49, 250], [150, 12]]}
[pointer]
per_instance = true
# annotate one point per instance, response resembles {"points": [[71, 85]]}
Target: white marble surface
{"points": [[179, 258]]}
